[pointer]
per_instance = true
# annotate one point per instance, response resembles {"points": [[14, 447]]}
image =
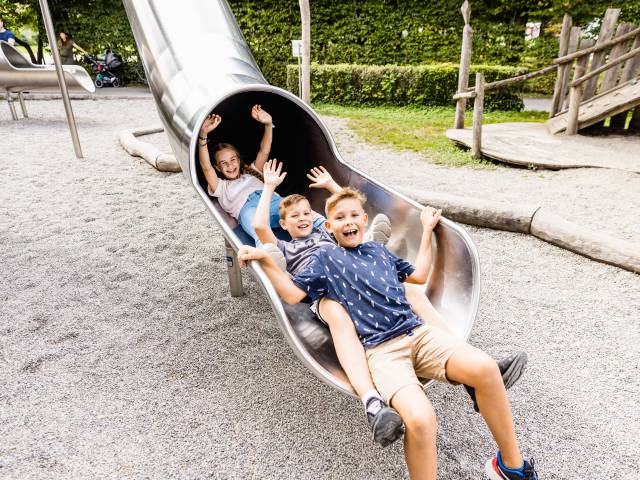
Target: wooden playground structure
{"points": [[595, 81]]}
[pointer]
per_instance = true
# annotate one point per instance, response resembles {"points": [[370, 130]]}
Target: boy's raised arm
{"points": [[287, 290], [262, 222], [321, 178], [429, 218], [265, 144]]}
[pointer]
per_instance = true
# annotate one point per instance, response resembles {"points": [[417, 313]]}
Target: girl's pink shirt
{"points": [[232, 194]]}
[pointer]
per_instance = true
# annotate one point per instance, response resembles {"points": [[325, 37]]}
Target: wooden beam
{"points": [[574, 40], [598, 71], [465, 62], [468, 94], [607, 30], [611, 77], [596, 48], [478, 110], [575, 96], [565, 34]]}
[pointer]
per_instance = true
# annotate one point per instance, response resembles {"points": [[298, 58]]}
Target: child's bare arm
{"points": [[321, 178], [287, 290], [265, 144], [210, 124], [429, 218], [261, 222]]}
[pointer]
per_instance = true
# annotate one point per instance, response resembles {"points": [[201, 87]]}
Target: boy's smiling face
{"points": [[347, 222], [298, 219]]}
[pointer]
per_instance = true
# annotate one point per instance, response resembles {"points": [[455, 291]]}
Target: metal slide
{"points": [[17, 75], [197, 61]]}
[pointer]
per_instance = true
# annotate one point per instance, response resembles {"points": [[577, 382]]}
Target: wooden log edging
{"points": [[164, 162], [537, 221]]}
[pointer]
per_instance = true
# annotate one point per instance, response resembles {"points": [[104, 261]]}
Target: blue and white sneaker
{"points": [[495, 470]]}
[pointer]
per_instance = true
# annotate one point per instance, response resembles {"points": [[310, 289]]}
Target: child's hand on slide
{"points": [[320, 178], [430, 218], [271, 173], [260, 115], [247, 253]]}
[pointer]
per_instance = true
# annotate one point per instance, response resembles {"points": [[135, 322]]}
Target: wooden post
{"points": [[565, 34], [575, 97], [619, 120], [465, 61], [478, 109], [574, 40], [305, 16], [607, 30]]}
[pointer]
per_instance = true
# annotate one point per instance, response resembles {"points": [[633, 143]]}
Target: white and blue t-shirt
{"points": [[367, 281]]}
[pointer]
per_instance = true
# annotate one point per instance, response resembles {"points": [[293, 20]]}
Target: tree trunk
{"points": [[305, 16]]}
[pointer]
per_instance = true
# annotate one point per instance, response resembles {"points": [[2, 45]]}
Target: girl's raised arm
{"points": [[211, 122], [265, 145]]}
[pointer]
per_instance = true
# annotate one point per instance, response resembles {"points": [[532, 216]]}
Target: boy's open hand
{"points": [[430, 218], [271, 173], [320, 178], [260, 115], [210, 124], [247, 253]]}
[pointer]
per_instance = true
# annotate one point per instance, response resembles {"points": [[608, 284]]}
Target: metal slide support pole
{"points": [[23, 105], [51, 35], [12, 107], [233, 270]]}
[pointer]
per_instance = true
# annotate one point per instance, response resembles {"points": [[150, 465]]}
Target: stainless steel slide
{"points": [[197, 61], [17, 75]]}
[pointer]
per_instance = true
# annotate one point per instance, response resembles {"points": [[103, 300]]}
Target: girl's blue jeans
{"points": [[248, 213]]}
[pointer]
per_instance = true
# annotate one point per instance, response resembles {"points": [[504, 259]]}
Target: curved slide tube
{"points": [[197, 61], [17, 75]]}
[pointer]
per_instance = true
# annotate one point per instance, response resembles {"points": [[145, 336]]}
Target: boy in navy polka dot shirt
{"points": [[365, 279]]}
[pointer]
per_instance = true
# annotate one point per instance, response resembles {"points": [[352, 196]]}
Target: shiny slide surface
{"points": [[17, 74], [197, 62]]}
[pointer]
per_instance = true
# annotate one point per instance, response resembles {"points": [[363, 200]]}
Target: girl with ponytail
{"points": [[239, 191]]}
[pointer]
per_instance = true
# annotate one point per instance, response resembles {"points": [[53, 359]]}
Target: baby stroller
{"points": [[108, 70]]}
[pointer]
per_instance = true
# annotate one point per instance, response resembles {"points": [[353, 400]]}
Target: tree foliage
{"points": [[403, 32]]}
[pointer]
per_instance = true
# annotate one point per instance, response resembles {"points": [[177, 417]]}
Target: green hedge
{"points": [[401, 85]]}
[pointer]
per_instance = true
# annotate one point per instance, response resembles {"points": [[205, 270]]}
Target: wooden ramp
{"points": [[619, 100], [531, 145]]}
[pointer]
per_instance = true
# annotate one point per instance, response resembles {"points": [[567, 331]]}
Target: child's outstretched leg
{"points": [[384, 421], [420, 431], [475, 368], [511, 367]]}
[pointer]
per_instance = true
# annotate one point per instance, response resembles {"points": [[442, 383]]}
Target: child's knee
{"points": [[421, 422]]}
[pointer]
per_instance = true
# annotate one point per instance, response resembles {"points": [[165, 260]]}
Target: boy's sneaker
{"points": [[276, 255], [511, 369], [380, 230], [384, 422], [495, 470]]}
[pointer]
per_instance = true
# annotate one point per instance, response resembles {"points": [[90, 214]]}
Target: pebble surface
{"points": [[123, 355]]}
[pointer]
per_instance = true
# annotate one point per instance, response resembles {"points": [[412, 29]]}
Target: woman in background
{"points": [[66, 45]]}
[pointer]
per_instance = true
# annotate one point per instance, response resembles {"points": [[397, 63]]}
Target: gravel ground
{"points": [[123, 355]]}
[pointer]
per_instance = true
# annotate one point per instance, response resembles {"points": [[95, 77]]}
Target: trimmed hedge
{"points": [[401, 85]]}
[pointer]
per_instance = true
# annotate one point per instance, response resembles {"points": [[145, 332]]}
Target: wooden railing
{"points": [[582, 87]]}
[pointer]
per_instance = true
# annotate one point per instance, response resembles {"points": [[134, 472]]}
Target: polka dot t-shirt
{"points": [[367, 281]]}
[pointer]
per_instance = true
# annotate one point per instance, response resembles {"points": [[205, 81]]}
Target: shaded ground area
{"points": [[123, 354]]}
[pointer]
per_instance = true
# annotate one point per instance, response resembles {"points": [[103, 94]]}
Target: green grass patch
{"points": [[420, 129]]}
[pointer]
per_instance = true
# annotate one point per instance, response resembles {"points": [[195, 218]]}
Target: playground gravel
{"points": [[123, 355]]}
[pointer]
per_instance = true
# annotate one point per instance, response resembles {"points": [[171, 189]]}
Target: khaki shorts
{"points": [[399, 362]]}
